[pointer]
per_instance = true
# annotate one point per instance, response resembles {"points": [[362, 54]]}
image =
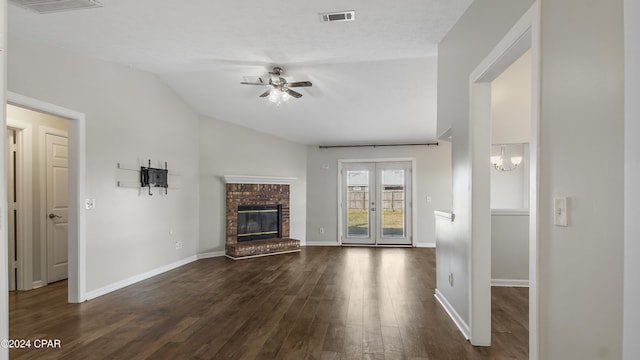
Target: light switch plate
{"points": [[560, 211]]}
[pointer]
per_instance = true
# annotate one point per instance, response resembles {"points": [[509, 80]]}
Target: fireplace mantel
{"points": [[246, 179]]}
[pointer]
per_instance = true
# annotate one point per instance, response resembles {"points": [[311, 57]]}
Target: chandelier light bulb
{"points": [[516, 160]]}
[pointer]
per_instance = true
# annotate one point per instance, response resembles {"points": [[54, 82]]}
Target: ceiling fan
{"points": [[280, 88]]}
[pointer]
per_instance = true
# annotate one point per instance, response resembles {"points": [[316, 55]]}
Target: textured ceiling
{"points": [[374, 79]]}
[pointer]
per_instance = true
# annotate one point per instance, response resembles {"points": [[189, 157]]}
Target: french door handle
{"points": [[373, 209], [53, 216]]}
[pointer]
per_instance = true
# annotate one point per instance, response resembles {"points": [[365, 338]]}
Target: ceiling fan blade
{"points": [[295, 94], [266, 93], [299, 84], [259, 82]]}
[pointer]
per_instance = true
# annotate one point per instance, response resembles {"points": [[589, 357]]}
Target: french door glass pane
{"points": [[358, 203], [393, 203]]}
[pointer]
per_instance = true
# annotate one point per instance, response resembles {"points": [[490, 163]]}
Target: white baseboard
{"points": [[212, 254], [509, 282], [462, 326], [314, 243], [426, 245], [137, 278], [37, 284]]}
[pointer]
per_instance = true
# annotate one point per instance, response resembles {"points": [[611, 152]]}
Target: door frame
{"points": [[77, 185], [44, 243], [414, 194], [24, 169], [523, 35]]}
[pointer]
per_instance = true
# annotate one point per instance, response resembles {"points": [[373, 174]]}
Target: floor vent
{"points": [[338, 16], [53, 6]]}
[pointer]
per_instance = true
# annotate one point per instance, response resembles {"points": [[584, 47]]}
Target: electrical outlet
{"points": [[178, 245], [90, 204], [321, 230], [428, 199]]}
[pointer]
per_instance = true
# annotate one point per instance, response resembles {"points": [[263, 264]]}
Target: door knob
{"points": [[53, 216]]}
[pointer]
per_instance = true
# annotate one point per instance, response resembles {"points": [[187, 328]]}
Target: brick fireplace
{"points": [[253, 205]]}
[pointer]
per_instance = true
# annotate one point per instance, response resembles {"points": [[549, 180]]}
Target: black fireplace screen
{"points": [[257, 222]]}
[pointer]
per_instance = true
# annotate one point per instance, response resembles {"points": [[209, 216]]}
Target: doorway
{"points": [[376, 203], [76, 251], [12, 206], [36, 188], [524, 35]]}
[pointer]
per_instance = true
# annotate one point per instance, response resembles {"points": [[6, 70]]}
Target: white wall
{"points": [[477, 32], [510, 189], [511, 103], [581, 157], [37, 120], [227, 149], [433, 179], [631, 181], [509, 245], [130, 115]]}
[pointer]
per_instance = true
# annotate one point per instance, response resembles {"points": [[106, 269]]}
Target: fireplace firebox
{"points": [[258, 222]]}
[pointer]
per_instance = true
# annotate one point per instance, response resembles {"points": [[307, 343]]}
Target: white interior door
{"points": [[376, 203], [11, 211], [57, 207]]}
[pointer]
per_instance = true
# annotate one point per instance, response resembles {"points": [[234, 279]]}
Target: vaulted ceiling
{"points": [[374, 79]]}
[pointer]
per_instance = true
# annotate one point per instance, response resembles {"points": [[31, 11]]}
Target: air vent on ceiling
{"points": [[53, 6], [338, 16]]}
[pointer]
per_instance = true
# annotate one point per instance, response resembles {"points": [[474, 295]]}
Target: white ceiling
{"points": [[374, 79]]}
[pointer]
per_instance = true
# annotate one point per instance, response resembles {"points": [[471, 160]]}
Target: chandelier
{"points": [[504, 163]]}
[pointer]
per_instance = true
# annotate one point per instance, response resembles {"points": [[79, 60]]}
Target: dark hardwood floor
{"points": [[323, 303]]}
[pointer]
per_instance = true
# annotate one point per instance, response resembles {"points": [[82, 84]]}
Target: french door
{"points": [[376, 203]]}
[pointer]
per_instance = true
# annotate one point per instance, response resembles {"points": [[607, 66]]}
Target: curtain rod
{"points": [[375, 145]]}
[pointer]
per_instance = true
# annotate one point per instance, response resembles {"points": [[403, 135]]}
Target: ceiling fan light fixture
{"points": [[280, 90], [278, 96]]}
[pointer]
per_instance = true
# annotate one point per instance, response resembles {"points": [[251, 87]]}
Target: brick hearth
{"points": [[258, 194]]}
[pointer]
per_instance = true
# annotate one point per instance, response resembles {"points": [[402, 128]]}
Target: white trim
{"points": [[245, 179], [38, 284], [313, 243], [25, 199], [426, 245], [510, 212], [453, 314], [262, 255], [42, 161], [509, 283], [534, 183], [137, 278], [379, 245], [209, 255], [77, 185], [517, 40]]}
